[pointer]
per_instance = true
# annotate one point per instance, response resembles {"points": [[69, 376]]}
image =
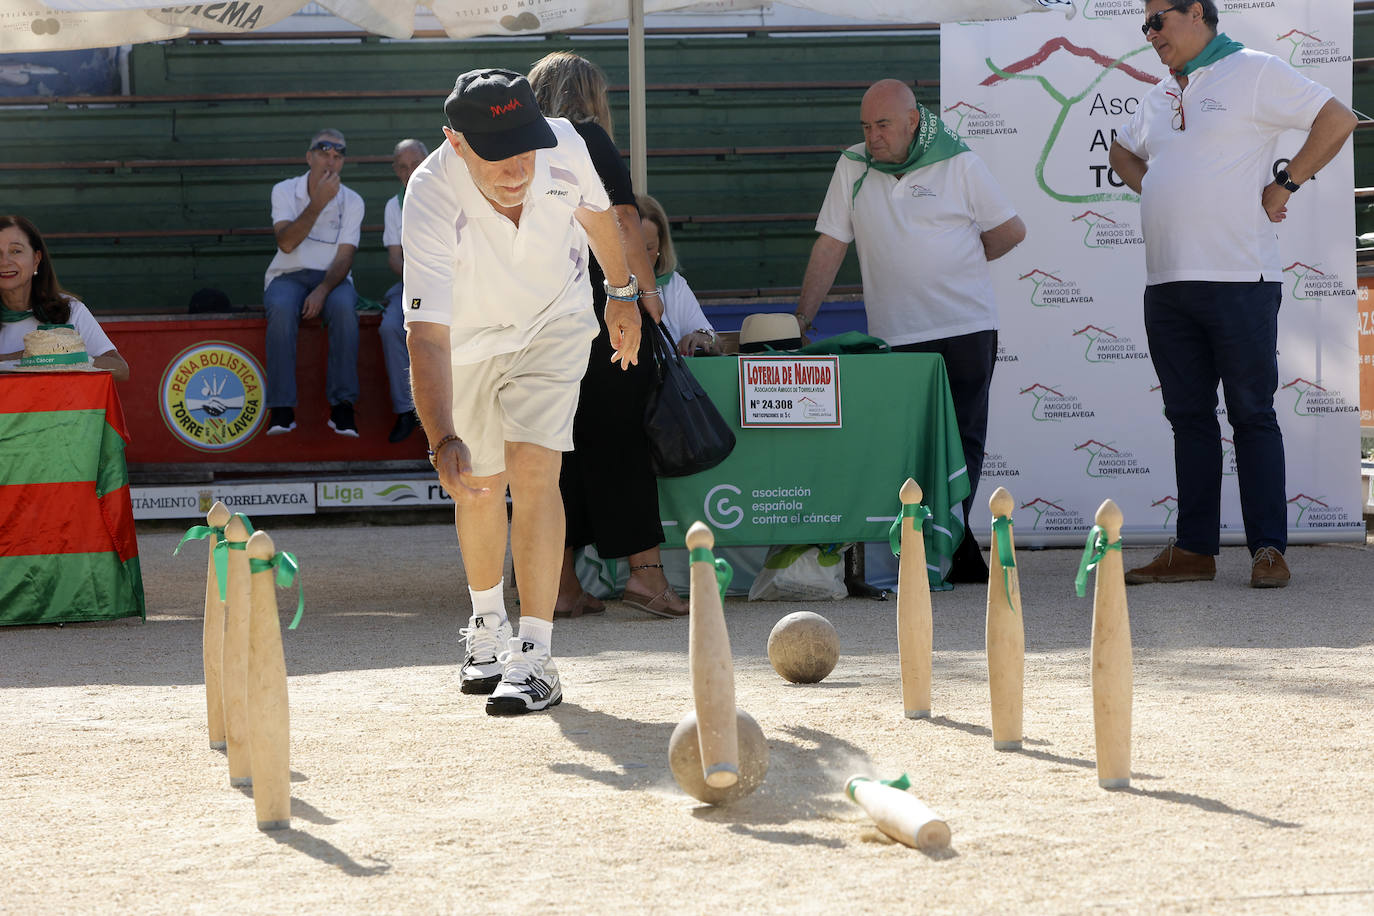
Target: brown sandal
{"points": [[658, 605], [583, 605]]}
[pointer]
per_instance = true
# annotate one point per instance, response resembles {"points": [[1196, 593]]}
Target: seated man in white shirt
{"points": [[405, 157], [317, 221]]}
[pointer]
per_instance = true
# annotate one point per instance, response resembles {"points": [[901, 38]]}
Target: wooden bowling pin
{"points": [[212, 637], [1006, 635], [713, 672], [1111, 660], [269, 725], [899, 814], [235, 664], [914, 626]]}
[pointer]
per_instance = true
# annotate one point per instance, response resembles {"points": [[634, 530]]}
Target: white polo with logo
{"points": [[339, 223], [493, 283], [1200, 207], [920, 248]]}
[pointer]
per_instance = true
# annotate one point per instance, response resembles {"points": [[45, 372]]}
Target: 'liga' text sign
{"points": [[789, 391]]}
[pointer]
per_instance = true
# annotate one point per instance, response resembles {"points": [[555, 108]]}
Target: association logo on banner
{"points": [[997, 465], [1102, 345], [971, 120], [1104, 459], [1054, 516], [1007, 355], [1310, 282], [1166, 506], [1049, 405], [1314, 512], [1049, 290], [1305, 49], [1102, 231], [1108, 9], [1312, 400], [1228, 457], [211, 396]]}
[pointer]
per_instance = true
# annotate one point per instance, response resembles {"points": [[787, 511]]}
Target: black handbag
{"points": [[686, 433]]}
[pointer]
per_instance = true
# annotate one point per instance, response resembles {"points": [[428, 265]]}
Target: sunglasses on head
{"points": [[1156, 22], [328, 145]]}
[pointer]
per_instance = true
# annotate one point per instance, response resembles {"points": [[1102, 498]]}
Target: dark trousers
{"points": [[969, 361], [1200, 334]]}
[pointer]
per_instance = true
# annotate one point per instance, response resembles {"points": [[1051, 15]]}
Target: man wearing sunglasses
{"points": [[317, 221], [1201, 150]]}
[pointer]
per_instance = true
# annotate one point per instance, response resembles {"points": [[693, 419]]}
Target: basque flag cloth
{"points": [[68, 550]]}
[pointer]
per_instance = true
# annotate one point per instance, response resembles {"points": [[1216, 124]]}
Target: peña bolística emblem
{"points": [[211, 396]]}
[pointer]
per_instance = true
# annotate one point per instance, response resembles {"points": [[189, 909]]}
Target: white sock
{"points": [[539, 632], [489, 603]]}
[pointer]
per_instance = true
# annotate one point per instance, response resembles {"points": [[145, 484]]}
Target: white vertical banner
{"points": [[1076, 414]]}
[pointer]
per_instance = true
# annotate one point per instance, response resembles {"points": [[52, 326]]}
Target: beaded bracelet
{"points": [[439, 447]]}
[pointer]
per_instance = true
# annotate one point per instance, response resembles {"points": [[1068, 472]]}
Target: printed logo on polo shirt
{"points": [[414, 303], [920, 190], [1308, 50], [211, 396], [1103, 231], [1309, 282], [1314, 512], [1313, 400], [1103, 346], [1104, 459], [1049, 405], [996, 464], [1051, 515], [1167, 506], [1211, 104], [1107, 9], [1049, 290], [975, 121], [556, 192]]}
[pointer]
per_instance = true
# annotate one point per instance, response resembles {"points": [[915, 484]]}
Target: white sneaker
{"points": [[481, 662], [529, 682]]}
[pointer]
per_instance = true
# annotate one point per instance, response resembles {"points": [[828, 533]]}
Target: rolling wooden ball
{"points": [[684, 759], [803, 647]]}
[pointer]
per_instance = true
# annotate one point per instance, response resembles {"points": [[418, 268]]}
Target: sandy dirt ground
{"points": [[1252, 789]]}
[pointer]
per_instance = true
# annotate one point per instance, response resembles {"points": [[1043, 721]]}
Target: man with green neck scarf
{"points": [[1201, 150], [926, 217]]}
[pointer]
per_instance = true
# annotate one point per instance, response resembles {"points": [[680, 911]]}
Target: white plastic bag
{"points": [[801, 572]]}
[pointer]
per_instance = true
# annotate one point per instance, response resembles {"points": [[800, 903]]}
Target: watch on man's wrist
{"points": [[1284, 180], [628, 291]]}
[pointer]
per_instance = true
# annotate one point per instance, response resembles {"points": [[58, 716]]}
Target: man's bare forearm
{"points": [[827, 254], [431, 377]]}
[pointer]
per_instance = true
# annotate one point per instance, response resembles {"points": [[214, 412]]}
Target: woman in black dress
{"points": [[610, 496]]}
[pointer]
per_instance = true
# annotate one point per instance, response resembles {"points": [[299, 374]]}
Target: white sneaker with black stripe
{"points": [[529, 682], [481, 657]]}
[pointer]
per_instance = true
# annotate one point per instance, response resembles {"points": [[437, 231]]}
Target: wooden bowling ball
{"points": [[684, 759], [803, 647]]}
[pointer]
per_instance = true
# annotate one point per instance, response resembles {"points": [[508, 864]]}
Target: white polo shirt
{"points": [[925, 275], [1200, 208], [391, 222], [469, 267], [97, 342], [339, 223]]}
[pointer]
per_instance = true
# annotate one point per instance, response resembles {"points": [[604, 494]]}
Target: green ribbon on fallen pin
{"points": [[724, 571], [288, 571], [918, 514], [1094, 550], [1001, 533]]}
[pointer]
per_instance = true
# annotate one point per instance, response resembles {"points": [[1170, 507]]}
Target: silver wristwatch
{"points": [[628, 291]]}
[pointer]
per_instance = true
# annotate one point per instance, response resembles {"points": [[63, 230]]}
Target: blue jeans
{"points": [[394, 352], [1200, 334], [283, 299]]}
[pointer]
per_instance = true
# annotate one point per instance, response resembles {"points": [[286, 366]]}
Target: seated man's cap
{"points": [[497, 115], [779, 330]]}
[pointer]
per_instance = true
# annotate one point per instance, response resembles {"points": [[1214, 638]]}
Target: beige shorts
{"points": [[526, 396]]}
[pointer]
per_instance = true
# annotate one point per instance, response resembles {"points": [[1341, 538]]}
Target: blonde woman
{"points": [[610, 495], [683, 318]]}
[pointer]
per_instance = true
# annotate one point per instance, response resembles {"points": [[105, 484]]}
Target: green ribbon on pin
{"points": [[724, 571], [918, 514], [1094, 550], [222, 545], [288, 571], [1001, 531]]}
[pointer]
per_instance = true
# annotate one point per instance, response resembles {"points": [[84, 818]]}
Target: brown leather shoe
{"points": [[1174, 564], [1268, 569]]}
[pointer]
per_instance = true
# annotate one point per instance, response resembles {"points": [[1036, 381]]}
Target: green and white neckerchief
{"points": [[1219, 47], [934, 142]]}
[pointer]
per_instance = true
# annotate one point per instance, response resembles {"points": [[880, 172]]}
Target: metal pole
{"points": [[639, 169]]}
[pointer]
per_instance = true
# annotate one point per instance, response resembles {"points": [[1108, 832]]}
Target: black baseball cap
{"points": [[497, 115]]}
